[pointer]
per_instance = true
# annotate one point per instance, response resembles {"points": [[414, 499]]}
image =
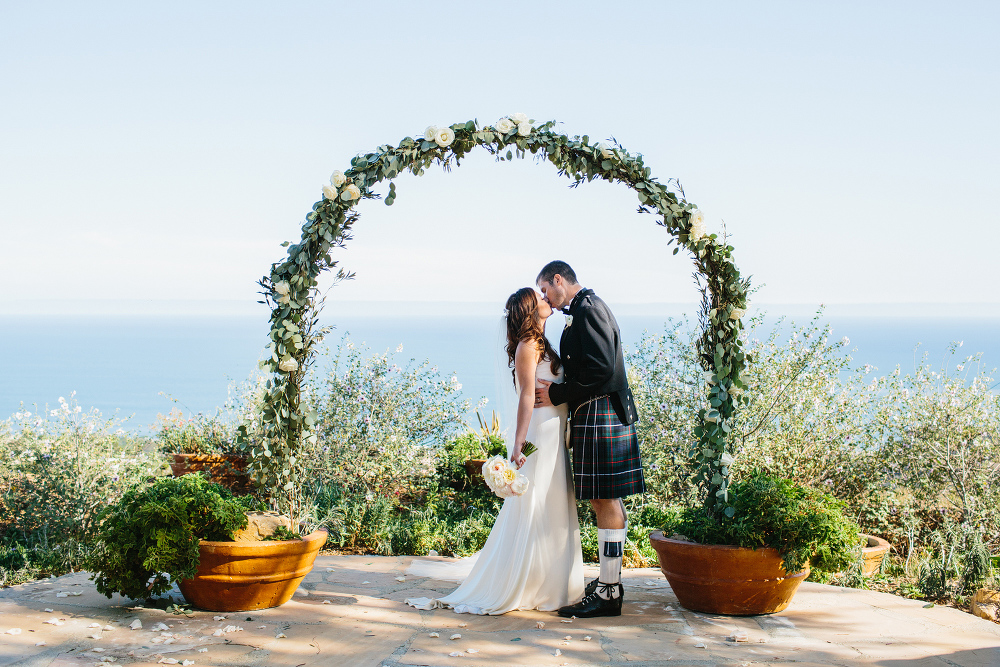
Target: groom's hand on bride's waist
{"points": [[542, 399]]}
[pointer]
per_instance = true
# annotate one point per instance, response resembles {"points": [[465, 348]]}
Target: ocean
{"points": [[136, 367]]}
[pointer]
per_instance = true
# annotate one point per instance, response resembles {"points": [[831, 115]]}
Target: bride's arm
{"points": [[525, 363]]}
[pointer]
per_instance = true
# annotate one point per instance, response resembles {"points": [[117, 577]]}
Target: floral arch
{"points": [[272, 436]]}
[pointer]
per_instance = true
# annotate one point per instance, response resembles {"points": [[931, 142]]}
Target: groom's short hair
{"points": [[560, 267]]}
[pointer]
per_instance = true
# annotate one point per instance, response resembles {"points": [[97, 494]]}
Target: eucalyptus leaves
{"points": [[291, 286]]}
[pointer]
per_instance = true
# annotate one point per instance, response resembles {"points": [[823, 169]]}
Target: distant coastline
{"points": [[123, 361], [250, 308]]}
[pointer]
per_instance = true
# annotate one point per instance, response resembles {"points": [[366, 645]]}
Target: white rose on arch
{"points": [[737, 314], [519, 118], [351, 192], [444, 137], [698, 228], [524, 129], [337, 179], [430, 134], [288, 365], [329, 192], [607, 151], [503, 126]]}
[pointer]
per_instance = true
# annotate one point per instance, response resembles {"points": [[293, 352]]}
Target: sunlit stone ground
{"points": [[366, 623]]}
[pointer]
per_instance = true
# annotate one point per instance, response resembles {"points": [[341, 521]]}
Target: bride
{"points": [[532, 559]]}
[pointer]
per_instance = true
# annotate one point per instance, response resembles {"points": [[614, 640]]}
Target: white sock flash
{"points": [[612, 543]]}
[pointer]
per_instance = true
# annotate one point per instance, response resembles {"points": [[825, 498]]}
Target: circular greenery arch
{"points": [[273, 435]]}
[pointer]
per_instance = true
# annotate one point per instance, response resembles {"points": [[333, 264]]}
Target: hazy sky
{"points": [[165, 150]]}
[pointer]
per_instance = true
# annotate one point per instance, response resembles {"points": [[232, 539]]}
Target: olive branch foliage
{"points": [[272, 437]]}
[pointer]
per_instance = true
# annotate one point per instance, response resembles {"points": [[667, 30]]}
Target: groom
{"points": [[606, 463]]}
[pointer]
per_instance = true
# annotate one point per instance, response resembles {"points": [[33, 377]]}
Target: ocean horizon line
{"points": [[391, 309]]}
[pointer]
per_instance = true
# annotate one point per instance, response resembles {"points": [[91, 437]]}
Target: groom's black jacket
{"points": [[591, 350]]}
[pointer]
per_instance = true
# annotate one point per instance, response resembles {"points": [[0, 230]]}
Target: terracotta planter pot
{"points": [[474, 470], [873, 554], [229, 470], [722, 579], [241, 576]]}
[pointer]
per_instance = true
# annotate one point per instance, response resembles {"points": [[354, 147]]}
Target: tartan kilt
{"points": [[606, 460]]}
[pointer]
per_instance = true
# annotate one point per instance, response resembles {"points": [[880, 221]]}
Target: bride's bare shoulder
{"points": [[527, 350]]}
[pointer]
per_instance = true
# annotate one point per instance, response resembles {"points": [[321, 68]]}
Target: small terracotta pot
{"points": [[474, 470], [721, 579], [873, 554], [241, 576], [229, 470]]}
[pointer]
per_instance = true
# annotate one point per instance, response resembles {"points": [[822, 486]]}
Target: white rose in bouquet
{"points": [[607, 150], [524, 129], [698, 228], [288, 365], [503, 126], [431, 132], [519, 118], [493, 471], [519, 485], [737, 314], [329, 192], [337, 178], [444, 137], [351, 192]]}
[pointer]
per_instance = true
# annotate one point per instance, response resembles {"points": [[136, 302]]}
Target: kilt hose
{"points": [[606, 461]]}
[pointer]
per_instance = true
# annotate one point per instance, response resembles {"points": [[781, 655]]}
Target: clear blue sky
{"points": [[164, 150]]}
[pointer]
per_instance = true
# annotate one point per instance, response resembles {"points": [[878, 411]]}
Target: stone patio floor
{"points": [[349, 611]]}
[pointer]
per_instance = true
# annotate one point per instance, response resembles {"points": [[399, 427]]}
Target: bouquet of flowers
{"points": [[502, 477]]}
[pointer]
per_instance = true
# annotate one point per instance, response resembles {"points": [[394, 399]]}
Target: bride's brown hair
{"points": [[523, 323]]}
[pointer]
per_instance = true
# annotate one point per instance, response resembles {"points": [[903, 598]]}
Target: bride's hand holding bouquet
{"points": [[521, 453]]}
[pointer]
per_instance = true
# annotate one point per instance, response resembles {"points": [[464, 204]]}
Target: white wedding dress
{"points": [[532, 559]]}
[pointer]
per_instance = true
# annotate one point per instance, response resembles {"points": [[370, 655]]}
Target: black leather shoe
{"points": [[591, 587], [594, 605]]}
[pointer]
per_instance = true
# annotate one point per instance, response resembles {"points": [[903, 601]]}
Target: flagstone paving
{"points": [[349, 611]]}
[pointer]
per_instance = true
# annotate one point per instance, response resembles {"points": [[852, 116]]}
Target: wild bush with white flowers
{"points": [[61, 466], [381, 422], [913, 455]]}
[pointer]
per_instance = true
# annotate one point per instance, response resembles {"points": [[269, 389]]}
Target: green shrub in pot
{"points": [[149, 538], [804, 525]]}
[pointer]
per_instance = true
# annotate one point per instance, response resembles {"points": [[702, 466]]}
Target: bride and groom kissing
{"points": [[577, 400]]}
